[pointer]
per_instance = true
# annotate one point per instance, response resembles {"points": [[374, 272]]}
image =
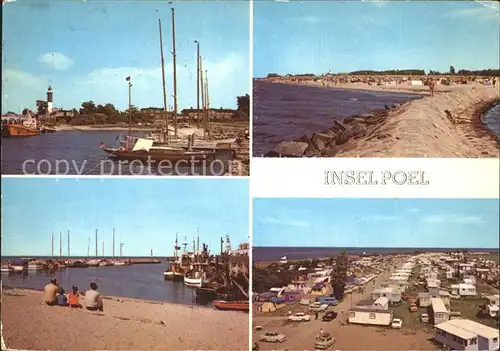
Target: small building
{"points": [[464, 334], [439, 312], [463, 289], [370, 316], [394, 295], [424, 299]]}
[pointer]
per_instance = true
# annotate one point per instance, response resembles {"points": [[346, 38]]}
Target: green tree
{"points": [[244, 104], [452, 70], [88, 107]]}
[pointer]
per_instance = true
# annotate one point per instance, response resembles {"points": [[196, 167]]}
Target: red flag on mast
{"points": [[127, 79]]}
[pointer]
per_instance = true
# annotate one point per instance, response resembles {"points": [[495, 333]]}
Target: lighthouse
{"points": [[49, 100]]}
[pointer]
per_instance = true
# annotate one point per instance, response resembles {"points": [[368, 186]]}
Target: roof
{"points": [[365, 302], [423, 294], [382, 301], [454, 330], [438, 305], [472, 327], [371, 310]]}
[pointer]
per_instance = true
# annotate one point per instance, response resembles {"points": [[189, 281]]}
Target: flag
{"points": [[127, 79]]}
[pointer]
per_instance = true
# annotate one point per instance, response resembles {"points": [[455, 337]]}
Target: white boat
{"points": [[104, 263], [194, 282], [6, 269], [17, 268], [283, 260], [176, 276], [34, 266], [119, 263], [93, 263]]}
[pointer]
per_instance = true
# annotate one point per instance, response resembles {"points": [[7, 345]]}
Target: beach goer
{"points": [[431, 86], [316, 315], [62, 300], [73, 298], [93, 301], [50, 293]]}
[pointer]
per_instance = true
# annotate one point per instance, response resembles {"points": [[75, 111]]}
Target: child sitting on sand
{"points": [[73, 298], [62, 300]]}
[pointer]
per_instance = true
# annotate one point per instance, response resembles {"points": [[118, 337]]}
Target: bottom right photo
{"points": [[375, 274]]}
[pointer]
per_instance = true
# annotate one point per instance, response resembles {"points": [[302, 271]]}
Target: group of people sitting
{"points": [[54, 295]]}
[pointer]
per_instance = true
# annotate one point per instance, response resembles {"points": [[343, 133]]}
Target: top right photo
{"points": [[376, 79]]}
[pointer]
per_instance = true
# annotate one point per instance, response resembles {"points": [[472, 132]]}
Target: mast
{"points": [[202, 97], [88, 249], [207, 103], [96, 253], [60, 244], [163, 85], [103, 248], [176, 244], [52, 245], [197, 83], [129, 107], [175, 72], [69, 249], [113, 242], [198, 240]]}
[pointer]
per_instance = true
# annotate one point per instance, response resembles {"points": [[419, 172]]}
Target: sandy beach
{"points": [[126, 324], [446, 125]]}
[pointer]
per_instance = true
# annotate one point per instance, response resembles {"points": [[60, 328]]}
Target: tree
{"points": [[339, 275], [88, 107], [244, 104], [452, 70]]}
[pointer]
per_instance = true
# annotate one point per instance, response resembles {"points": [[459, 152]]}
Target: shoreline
{"points": [[445, 125], [156, 325]]}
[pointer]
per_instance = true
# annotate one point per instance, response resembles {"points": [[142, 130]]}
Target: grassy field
{"points": [[411, 320], [469, 307]]}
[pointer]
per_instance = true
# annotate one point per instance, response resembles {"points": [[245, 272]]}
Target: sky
{"points": [[85, 50], [321, 36], [425, 223], [146, 214]]}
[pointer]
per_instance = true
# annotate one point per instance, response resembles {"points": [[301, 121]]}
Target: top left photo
{"points": [[125, 88]]}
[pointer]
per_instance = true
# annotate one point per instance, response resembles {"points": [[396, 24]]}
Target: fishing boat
{"points": [[28, 127], [175, 272], [232, 305], [133, 148], [104, 263], [93, 263], [194, 278]]}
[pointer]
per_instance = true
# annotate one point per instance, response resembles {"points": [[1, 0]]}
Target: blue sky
{"points": [[85, 50], [376, 222], [321, 36], [146, 213]]}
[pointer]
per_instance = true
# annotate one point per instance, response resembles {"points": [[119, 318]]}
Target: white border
{"points": [[250, 199], [305, 178]]}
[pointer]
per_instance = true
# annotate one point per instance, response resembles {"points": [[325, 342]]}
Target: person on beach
{"points": [[62, 300], [431, 86], [50, 293], [93, 301], [73, 298]]}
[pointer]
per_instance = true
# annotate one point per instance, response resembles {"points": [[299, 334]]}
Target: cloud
{"points": [[377, 3], [21, 89], [286, 222], [485, 12], [56, 60], [453, 219], [306, 19]]}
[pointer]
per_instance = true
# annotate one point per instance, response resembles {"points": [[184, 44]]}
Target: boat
{"points": [[144, 150], [232, 305], [175, 272], [34, 266], [46, 129], [120, 263], [28, 127], [6, 268], [93, 263], [78, 264], [194, 279], [104, 263]]}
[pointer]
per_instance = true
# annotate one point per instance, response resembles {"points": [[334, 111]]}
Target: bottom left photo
{"points": [[120, 263]]}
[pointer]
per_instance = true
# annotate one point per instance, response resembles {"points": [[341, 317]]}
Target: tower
{"points": [[49, 99]]}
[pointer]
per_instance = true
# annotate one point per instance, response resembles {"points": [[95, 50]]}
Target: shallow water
{"points": [[287, 112], [143, 281], [492, 119]]}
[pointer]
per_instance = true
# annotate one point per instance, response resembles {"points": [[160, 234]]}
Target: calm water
{"points": [[492, 119], [301, 253], [287, 112], [81, 151], [144, 281]]}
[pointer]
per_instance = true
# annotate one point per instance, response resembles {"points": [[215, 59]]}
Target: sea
{"points": [[79, 153], [492, 119], [264, 254], [287, 112], [141, 281]]}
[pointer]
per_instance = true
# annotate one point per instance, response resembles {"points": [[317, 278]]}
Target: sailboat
{"points": [[143, 149]]}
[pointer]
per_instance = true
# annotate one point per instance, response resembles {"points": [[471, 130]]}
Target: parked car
{"points": [[329, 300], [424, 318], [299, 317], [318, 307], [273, 337], [397, 323], [324, 341], [329, 316]]}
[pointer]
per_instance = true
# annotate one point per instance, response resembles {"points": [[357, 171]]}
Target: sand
{"points": [[126, 324], [422, 128], [301, 336]]}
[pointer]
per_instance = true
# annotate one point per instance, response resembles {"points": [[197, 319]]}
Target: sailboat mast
{"points": [[207, 102], [103, 248], [175, 71], [68, 245], [113, 242], [96, 253], [60, 244], [197, 83], [52, 245], [165, 107], [202, 97], [88, 249]]}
